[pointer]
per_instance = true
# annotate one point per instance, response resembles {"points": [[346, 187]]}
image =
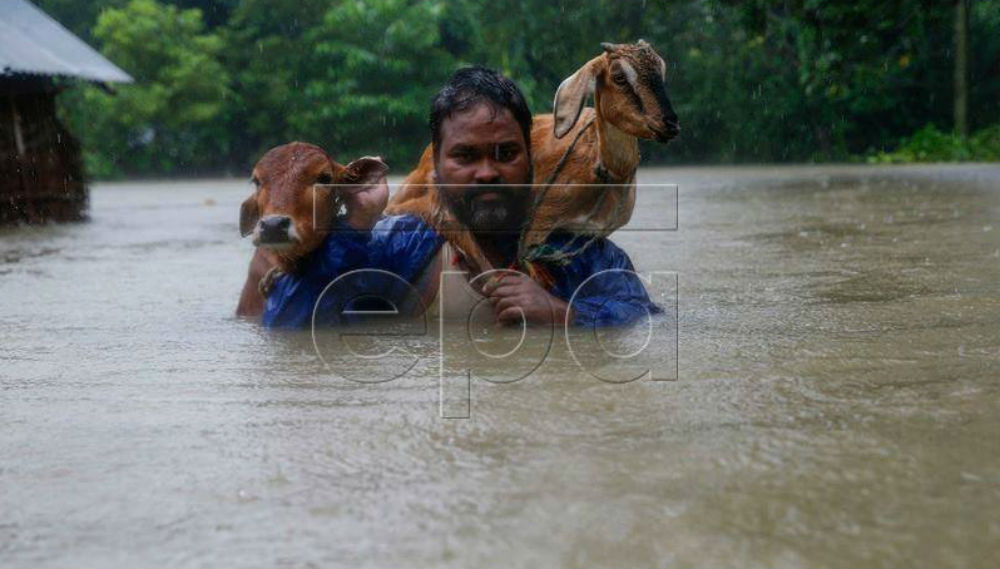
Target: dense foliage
{"points": [[220, 81], [931, 145]]}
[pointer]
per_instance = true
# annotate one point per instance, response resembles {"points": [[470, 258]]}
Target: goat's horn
{"points": [[608, 46], [642, 42]]}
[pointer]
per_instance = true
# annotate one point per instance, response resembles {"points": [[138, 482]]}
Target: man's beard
{"points": [[503, 214], [507, 213]]}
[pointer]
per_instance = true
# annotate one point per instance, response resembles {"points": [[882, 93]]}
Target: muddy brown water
{"points": [[836, 401]]}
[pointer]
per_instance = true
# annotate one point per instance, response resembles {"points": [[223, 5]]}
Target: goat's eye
{"points": [[324, 179], [255, 182], [619, 78]]}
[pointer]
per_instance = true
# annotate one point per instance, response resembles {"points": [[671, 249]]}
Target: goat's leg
{"points": [[463, 240]]}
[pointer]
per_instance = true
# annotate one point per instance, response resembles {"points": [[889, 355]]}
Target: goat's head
{"points": [[291, 209], [628, 82]]}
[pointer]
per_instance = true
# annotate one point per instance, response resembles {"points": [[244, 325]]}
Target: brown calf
{"points": [[291, 212]]}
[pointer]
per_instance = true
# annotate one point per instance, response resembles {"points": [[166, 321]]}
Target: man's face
{"points": [[481, 149]]}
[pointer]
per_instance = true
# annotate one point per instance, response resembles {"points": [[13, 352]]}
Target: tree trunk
{"points": [[961, 68]]}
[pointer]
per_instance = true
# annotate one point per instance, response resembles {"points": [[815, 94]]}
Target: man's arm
{"points": [[290, 302], [291, 299], [598, 288], [603, 288], [371, 266]]}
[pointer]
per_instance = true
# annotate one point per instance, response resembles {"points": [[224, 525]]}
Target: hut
{"points": [[41, 173]]}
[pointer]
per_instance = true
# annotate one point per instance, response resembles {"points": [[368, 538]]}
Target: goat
{"points": [[289, 215], [628, 82]]}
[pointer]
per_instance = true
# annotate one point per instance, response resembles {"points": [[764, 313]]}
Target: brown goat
{"points": [[630, 102], [291, 212]]}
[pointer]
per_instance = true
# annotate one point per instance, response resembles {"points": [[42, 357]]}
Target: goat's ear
{"points": [[570, 97], [249, 215], [365, 170]]}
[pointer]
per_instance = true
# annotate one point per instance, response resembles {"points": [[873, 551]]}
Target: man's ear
{"points": [[570, 97], [364, 170], [249, 215]]}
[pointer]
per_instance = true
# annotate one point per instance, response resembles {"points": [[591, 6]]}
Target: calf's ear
{"points": [[365, 170], [249, 215]]}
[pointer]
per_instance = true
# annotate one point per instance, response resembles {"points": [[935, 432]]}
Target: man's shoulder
{"points": [[404, 234], [387, 228], [402, 222], [589, 252], [392, 236]]}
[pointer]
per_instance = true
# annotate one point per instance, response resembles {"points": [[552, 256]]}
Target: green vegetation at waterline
{"points": [[220, 81], [931, 145]]}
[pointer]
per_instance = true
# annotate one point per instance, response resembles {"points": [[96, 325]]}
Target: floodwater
{"points": [[836, 401]]}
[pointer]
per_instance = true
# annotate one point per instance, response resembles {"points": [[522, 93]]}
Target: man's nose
{"points": [[486, 172]]}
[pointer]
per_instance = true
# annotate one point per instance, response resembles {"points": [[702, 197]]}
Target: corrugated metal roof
{"points": [[32, 42]]}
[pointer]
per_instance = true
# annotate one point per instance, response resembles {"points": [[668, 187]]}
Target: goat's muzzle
{"points": [[669, 131]]}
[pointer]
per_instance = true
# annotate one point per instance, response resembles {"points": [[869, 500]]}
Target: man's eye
{"points": [[464, 155], [506, 154]]}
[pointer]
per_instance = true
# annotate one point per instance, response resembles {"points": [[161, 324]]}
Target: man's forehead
{"points": [[480, 124]]}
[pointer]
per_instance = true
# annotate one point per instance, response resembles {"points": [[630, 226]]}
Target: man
{"points": [[480, 126]]}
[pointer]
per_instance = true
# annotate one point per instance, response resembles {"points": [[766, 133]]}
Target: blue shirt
{"points": [[375, 270]]}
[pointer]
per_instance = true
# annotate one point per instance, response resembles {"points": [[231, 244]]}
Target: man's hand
{"points": [[512, 294], [365, 203], [368, 195]]}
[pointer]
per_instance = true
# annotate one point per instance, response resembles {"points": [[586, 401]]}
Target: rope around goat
{"points": [[545, 253]]}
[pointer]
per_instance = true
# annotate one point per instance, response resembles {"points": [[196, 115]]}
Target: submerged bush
{"points": [[931, 145], [985, 144]]}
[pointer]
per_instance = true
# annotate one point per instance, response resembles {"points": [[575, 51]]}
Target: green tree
{"points": [[755, 80], [374, 68], [271, 60], [808, 80], [168, 120]]}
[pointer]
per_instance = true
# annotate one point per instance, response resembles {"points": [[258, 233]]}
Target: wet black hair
{"points": [[470, 86]]}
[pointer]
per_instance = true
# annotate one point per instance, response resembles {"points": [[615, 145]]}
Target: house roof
{"points": [[33, 43]]}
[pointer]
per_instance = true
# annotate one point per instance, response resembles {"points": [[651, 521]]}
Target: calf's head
{"points": [[294, 203], [628, 82]]}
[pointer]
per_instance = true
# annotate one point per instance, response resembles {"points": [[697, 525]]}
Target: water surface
{"points": [[836, 401]]}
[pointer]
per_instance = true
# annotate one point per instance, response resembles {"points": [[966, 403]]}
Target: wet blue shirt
{"points": [[374, 270]]}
